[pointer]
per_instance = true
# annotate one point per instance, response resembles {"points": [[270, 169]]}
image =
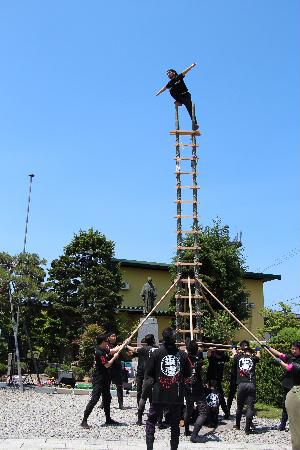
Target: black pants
{"points": [[139, 386], [202, 411], [186, 100], [231, 395], [118, 382], [284, 416], [246, 394], [222, 398], [100, 387], [156, 410], [146, 394]]}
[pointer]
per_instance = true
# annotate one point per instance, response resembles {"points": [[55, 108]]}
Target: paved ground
{"points": [[100, 444]]}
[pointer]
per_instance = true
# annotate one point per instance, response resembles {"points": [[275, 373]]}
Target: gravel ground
{"points": [[31, 415]]}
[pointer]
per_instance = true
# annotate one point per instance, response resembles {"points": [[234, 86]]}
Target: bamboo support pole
{"points": [[148, 315], [191, 309], [234, 317]]}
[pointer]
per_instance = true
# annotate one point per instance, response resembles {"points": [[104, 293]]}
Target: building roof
{"points": [[164, 266]]}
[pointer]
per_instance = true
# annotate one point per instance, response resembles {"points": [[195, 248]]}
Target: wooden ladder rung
{"points": [[189, 232], [185, 314], [185, 280], [187, 187], [194, 158], [186, 173], [186, 201], [186, 217], [188, 264], [182, 144], [195, 330], [185, 133], [181, 247]]}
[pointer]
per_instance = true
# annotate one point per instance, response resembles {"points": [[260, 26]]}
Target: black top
{"points": [[100, 371], [216, 366], [116, 368], [212, 399], [245, 368], [144, 354], [167, 368], [177, 86], [291, 376], [193, 385]]}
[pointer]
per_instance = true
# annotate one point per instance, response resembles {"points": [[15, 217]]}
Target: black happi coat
{"points": [[245, 368], [167, 368], [144, 354], [216, 366], [193, 385]]}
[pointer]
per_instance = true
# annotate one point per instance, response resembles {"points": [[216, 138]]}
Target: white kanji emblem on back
{"points": [[170, 365]]}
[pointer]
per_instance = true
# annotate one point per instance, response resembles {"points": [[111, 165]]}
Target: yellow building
{"points": [[135, 274]]}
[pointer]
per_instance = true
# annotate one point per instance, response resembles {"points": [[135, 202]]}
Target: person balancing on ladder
{"points": [[179, 91]]}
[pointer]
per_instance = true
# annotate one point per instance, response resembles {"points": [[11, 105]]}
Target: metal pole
{"points": [[27, 215]]}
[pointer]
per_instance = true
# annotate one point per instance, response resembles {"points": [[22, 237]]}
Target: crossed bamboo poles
{"points": [[201, 284]]}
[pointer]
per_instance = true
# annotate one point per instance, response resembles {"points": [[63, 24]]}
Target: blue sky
{"points": [[78, 110]]}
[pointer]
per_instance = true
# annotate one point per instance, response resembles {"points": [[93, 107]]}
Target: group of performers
{"points": [[171, 378]]}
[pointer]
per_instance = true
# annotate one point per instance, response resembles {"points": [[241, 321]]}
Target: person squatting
{"points": [[173, 379]]}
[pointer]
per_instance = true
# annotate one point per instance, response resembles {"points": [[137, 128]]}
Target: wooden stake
{"points": [[191, 311], [235, 318]]}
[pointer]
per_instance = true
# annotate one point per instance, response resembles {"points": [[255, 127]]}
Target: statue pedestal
{"points": [[149, 327]]}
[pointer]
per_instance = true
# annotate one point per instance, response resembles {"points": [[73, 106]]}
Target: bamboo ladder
{"points": [[188, 296]]}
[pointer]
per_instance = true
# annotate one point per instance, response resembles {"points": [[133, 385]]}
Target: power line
{"points": [[294, 252]]}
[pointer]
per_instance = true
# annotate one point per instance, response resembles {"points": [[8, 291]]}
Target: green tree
{"points": [[23, 276], [87, 344], [222, 270], [276, 320], [85, 282]]}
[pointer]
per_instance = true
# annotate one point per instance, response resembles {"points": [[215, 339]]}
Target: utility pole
{"points": [[27, 215]]}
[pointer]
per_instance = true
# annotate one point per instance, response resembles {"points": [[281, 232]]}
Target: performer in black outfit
{"points": [[167, 369], [101, 381], [194, 393], [286, 361], [179, 91], [144, 387], [215, 372], [245, 363], [116, 370]]}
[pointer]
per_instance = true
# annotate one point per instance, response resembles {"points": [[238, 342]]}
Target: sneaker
{"points": [[85, 425], [281, 427], [196, 439], [112, 422]]}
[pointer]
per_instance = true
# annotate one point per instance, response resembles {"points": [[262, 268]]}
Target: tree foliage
{"points": [[22, 279], [87, 344], [223, 268], [85, 283], [276, 320]]}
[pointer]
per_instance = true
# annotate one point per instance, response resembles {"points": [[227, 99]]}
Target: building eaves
{"points": [[164, 266]]}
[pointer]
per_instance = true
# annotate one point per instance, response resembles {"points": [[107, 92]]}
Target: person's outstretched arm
{"points": [[161, 90], [188, 69]]}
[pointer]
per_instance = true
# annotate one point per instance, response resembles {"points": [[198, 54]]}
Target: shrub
{"points": [[3, 369], [78, 372], [287, 335], [51, 372], [87, 346]]}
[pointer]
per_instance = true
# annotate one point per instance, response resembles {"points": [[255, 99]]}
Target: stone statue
{"points": [[149, 295]]}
